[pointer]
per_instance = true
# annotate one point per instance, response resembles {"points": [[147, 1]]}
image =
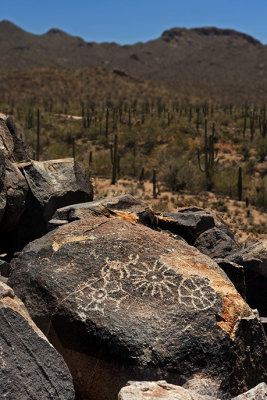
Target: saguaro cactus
{"points": [[114, 160], [210, 154], [239, 183], [154, 181]]}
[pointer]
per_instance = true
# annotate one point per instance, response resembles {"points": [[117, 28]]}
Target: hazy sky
{"points": [[129, 21]]}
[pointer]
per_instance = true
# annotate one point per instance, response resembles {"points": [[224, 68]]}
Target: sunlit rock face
{"points": [[123, 302], [160, 390]]}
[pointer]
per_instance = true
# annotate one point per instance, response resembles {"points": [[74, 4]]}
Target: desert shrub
{"points": [[261, 148], [258, 195]]}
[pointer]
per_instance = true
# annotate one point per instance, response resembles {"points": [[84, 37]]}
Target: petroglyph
{"points": [[196, 293], [157, 281], [118, 280]]}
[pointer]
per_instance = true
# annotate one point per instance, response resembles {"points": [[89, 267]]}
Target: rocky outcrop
{"points": [[160, 390], [191, 222], [16, 190], [10, 144], [257, 393], [31, 191], [215, 243], [235, 273], [125, 207], [254, 261], [123, 302], [30, 366]]}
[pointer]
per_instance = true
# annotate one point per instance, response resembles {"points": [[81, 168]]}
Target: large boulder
{"points": [[191, 222], [160, 390], [19, 150], [257, 393], [123, 302], [16, 189], [235, 273], [30, 366], [6, 140], [254, 260], [216, 243], [10, 144], [50, 185], [2, 185], [57, 183], [126, 207]]}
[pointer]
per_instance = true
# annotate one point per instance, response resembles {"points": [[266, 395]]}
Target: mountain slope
{"points": [[215, 60]]}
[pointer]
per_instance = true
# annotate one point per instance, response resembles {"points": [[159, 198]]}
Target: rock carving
{"points": [[157, 280]]}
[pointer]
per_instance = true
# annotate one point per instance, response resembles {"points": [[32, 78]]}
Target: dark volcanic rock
{"points": [[2, 185], [160, 390], [125, 206], [191, 222], [57, 183], [254, 261], [19, 152], [4, 268], [6, 140], [123, 302], [235, 273], [30, 367], [51, 184], [16, 190], [188, 225], [215, 243]]}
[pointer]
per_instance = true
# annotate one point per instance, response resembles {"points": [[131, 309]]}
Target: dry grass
{"points": [[248, 223]]}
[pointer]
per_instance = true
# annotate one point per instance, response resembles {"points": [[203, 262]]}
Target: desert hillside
{"points": [[211, 63]]}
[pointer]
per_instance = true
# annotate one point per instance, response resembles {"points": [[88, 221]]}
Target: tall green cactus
{"points": [[154, 181], [210, 154], [114, 159], [107, 125], [239, 183]]}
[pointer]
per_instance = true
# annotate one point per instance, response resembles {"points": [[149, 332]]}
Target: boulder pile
{"points": [[124, 294], [31, 191]]}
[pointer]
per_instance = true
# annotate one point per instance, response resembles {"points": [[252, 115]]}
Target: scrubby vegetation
{"points": [[185, 147]]}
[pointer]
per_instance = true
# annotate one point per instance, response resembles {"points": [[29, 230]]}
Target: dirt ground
{"points": [[248, 223]]}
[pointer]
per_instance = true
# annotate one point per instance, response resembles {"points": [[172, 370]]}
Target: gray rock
{"points": [[52, 184], [254, 260], [30, 366], [2, 185], [257, 393], [16, 192], [57, 183], [215, 243], [55, 223], [189, 224], [19, 151], [160, 390], [124, 302], [6, 140]]}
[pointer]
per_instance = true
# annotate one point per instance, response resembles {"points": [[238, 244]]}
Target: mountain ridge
{"points": [[208, 57]]}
